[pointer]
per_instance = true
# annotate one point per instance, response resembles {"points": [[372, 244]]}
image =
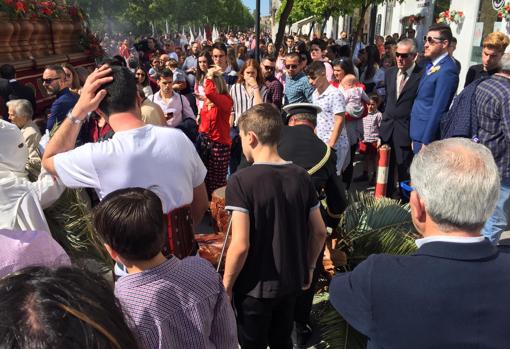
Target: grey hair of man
{"points": [[505, 63], [409, 43], [458, 182], [21, 107], [310, 117]]}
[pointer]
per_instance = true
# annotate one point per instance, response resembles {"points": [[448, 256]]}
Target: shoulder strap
{"points": [[321, 163]]}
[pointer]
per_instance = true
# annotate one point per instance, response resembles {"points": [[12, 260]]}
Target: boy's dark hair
{"points": [[61, 308], [374, 97], [165, 73], [264, 120], [130, 221], [315, 69], [7, 71], [220, 46], [121, 92], [445, 32]]}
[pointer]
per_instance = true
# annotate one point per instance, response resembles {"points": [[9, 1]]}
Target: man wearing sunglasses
{"points": [[54, 81], [436, 89], [401, 87], [297, 87], [274, 86]]}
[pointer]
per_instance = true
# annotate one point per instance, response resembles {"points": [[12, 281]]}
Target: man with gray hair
{"points": [[492, 100], [402, 84], [20, 114], [453, 291]]}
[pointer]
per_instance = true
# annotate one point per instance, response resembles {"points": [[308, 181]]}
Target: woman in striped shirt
{"points": [[249, 90]]}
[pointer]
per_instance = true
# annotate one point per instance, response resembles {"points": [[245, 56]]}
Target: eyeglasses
{"points": [[49, 81], [291, 66], [433, 39], [268, 67], [402, 55]]}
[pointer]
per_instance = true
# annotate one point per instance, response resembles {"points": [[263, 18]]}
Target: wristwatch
{"points": [[74, 119]]}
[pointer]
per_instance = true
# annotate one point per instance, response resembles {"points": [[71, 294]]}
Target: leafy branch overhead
{"points": [[178, 13]]}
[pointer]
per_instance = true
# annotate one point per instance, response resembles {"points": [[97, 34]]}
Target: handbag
{"points": [[188, 125]]}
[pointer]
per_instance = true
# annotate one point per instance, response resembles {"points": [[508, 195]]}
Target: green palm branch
{"points": [[69, 219]]}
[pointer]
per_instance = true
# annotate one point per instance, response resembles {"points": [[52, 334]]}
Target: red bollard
{"points": [[382, 170]]}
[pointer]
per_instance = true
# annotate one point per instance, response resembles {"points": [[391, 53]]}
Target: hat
{"points": [[301, 108], [14, 154]]}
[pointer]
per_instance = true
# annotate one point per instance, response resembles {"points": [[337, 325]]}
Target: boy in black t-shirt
{"points": [[277, 234]]}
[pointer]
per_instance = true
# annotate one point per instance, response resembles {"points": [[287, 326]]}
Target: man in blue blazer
{"points": [[436, 89], [454, 291]]}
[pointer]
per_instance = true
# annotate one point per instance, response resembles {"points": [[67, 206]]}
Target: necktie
{"points": [[402, 82]]}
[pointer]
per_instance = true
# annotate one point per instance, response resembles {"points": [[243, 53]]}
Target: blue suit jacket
{"points": [[446, 295], [65, 101], [435, 93]]}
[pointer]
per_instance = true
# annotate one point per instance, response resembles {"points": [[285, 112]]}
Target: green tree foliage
{"points": [[139, 14]]}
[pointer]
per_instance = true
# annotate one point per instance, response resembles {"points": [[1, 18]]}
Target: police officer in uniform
{"points": [[299, 144]]}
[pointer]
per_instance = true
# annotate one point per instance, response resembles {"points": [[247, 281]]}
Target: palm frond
{"points": [[70, 224], [336, 333], [371, 225]]}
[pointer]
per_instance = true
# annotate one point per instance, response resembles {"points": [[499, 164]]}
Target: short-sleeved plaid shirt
{"points": [[493, 109], [297, 89]]}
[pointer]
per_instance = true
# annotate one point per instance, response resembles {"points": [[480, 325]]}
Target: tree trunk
{"points": [[324, 22], [283, 22], [311, 29], [361, 24]]}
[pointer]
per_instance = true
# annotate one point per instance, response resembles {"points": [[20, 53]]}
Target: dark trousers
{"points": [[263, 322], [304, 300], [400, 160], [349, 170]]}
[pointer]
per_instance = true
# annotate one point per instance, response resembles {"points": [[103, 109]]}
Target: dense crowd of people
{"points": [[162, 123]]}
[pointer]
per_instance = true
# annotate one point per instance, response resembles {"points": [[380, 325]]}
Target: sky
{"points": [[264, 6]]}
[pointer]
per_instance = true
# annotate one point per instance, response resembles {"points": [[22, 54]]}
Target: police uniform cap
{"points": [[301, 108]]}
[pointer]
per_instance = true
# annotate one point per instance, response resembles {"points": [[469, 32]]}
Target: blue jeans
{"points": [[498, 222]]}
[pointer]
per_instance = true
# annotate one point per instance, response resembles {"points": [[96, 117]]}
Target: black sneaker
{"points": [[303, 334]]}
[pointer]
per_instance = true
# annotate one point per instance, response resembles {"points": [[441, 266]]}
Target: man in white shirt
{"points": [[453, 291], [138, 155], [175, 107]]}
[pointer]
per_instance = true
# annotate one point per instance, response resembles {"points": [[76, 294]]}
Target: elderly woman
{"points": [[20, 114]]}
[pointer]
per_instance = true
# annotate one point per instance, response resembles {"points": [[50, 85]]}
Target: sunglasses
{"points": [[49, 81], [433, 39], [402, 55], [291, 66], [268, 67]]}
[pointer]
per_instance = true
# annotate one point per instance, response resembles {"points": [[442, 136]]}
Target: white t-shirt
{"points": [[177, 104], [157, 158], [332, 102]]}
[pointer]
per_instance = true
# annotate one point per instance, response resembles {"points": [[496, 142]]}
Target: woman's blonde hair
{"points": [[219, 82], [497, 41]]}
